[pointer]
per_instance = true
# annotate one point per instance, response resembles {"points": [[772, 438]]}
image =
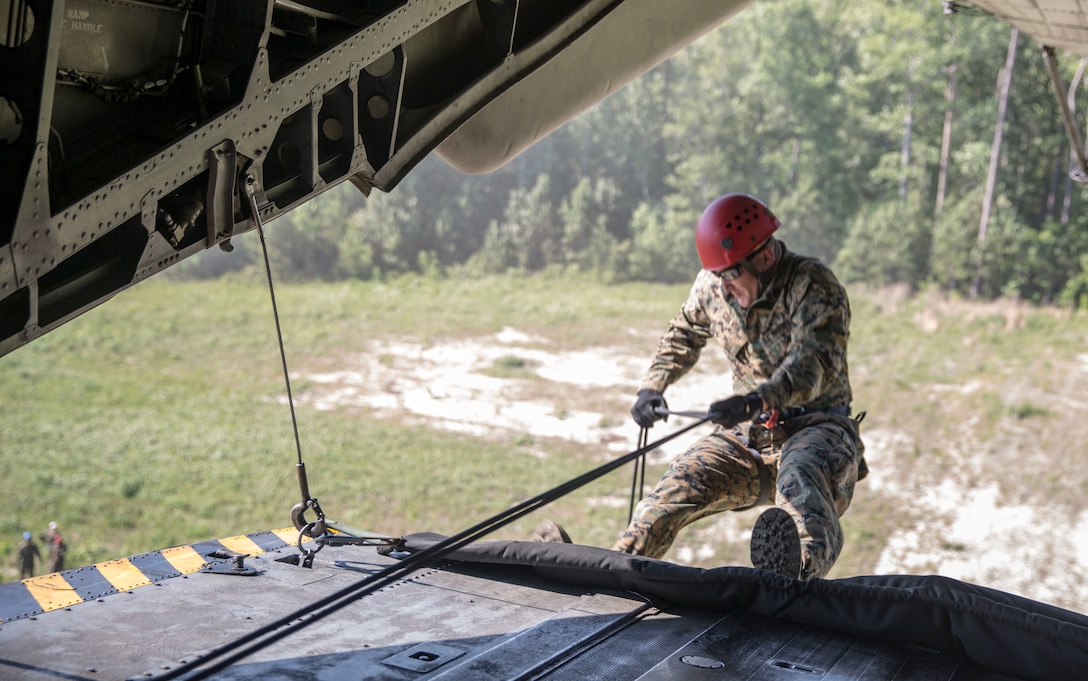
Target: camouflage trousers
{"points": [[809, 468]]}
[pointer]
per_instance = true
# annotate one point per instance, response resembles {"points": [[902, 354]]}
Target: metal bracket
{"points": [[223, 164], [236, 566]]}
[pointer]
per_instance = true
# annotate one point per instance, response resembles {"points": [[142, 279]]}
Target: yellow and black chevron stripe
{"points": [[33, 596]]}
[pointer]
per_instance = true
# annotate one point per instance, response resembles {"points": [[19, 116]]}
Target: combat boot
{"points": [[775, 544]]}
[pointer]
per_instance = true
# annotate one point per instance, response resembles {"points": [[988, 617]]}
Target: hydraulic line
{"points": [[220, 658], [1079, 171]]}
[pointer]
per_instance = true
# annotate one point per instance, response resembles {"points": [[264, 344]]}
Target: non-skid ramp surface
{"points": [[519, 610], [1000, 632]]}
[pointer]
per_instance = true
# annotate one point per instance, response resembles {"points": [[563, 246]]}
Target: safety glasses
{"points": [[731, 273]]}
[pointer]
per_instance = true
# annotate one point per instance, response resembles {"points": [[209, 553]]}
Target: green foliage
{"points": [[527, 238], [511, 365], [887, 245], [806, 227], [388, 236], [955, 240], [305, 243], [1075, 292], [1003, 266], [1027, 410], [510, 362], [662, 245], [1053, 260], [587, 244]]}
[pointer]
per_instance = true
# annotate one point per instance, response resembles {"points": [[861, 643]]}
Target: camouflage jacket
{"points": [[789, 346]]}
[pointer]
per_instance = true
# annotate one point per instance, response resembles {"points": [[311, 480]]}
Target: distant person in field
{"points": [[54, 544], [29, 555], [783, 320], [47, 536]]}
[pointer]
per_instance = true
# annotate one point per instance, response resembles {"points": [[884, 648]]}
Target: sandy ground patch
{"points": [[446, 387]]}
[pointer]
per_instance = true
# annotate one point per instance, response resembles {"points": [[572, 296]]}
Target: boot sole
{"points": [[775, 545]]}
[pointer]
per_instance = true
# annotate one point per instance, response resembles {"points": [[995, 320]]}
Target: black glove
{"points": [[643, 411], [738, 408]]}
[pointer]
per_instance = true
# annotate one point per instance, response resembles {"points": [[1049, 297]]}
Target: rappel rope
{"points": [[638, 479], [222, 657]]}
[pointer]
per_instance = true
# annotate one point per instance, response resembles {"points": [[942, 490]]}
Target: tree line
{"points": [[897, 143]]}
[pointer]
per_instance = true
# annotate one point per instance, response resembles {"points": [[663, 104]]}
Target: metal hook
{"points": [[298, 518]]}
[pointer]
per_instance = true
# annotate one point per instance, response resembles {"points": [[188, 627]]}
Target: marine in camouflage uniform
{"points": [[787, 350]]}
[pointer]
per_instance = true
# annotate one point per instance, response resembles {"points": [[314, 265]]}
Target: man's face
{"points": [[743, 284], [744, 288]]}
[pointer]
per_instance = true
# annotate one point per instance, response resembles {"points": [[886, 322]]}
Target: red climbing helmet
{"points": [[731, 228]]}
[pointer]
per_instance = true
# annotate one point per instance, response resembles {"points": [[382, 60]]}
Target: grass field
{"points": [[158, 418]]}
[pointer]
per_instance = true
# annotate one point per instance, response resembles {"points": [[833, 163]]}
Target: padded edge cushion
{"points": [[1008, 634]]}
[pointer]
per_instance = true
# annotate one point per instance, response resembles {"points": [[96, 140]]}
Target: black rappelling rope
{"points": [[268, 634], [638, 479]]}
